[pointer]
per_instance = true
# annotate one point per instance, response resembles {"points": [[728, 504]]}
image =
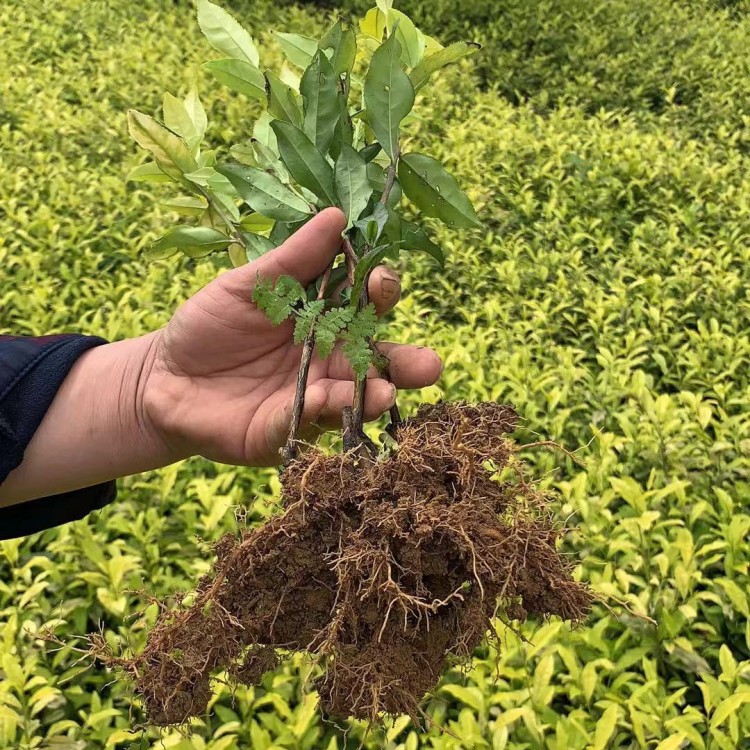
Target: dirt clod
{"points": [[383, 569]]}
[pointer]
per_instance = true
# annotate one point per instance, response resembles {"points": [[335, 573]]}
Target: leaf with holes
{"points": [[434, 191], [388, 93], [320, 91], [265, 193], [305, 163], [353, 189]]}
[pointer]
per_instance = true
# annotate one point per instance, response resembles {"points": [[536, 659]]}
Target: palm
{"points": [[226, 377]]}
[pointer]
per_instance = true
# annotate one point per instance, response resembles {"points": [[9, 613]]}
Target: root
{"points": [[380, 568]]}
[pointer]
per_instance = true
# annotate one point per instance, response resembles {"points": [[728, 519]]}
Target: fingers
{"points": [[409, 366], [304, 256], [384, 289], [325, 400]]}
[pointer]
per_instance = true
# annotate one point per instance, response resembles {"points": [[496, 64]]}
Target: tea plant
{"points": [[328, 136], [387, 565]]}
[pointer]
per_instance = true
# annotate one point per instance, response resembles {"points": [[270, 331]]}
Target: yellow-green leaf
{"points": [[170, 152], [225, 34], [420, 76], [239, 76]]}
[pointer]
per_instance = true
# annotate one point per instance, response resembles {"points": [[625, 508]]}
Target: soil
{"points": [[382, 569]]}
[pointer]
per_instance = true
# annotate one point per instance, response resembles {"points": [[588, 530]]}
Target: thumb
{"points": [[304, 256]]}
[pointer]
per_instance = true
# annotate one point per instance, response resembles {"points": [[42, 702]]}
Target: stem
{"points": [[354, 433], [390, 177], [226, 218], [291, 449], [351, 259]]}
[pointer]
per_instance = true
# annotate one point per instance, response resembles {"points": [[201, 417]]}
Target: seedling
{"points": [[384, 560]]}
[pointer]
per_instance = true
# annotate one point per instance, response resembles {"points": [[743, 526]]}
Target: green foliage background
{"points": [[605, 144]]}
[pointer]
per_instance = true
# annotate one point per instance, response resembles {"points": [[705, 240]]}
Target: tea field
{"points": [[606, 146]]}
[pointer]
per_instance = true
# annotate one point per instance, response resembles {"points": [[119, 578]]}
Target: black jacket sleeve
{"points": [[31, 372]]}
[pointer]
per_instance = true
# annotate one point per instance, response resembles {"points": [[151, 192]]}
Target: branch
{"points": [[351, 260], [390, 177], [291, 449], [354, 434]]}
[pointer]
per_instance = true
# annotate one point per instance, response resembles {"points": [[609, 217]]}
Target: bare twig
{"points": [[358, 436], [351, 260], [290, 450]]}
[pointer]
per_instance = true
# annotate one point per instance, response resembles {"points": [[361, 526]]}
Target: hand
{"points": [[220, 379]]}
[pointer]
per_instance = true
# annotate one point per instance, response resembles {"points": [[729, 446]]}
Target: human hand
{"points": [[219, 380]]}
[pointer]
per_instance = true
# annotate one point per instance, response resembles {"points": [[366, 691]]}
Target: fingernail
{"points": [[389, 284]]}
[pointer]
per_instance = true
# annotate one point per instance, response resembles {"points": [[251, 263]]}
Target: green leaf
{"points": [[393, 230], [256, 245], [283, 101], [306, 319], [353, 189], [282, 231], [389, 94], [244, 154], [211, 178], [178, 120], [376, 176], [148, 172], [169, 150], [262, 132], [413, 237], [299, 50], [305, 163], [454, 52], [372, 226], [270, 161], [368, 153], [265, 193], [329, 328], [365, 265], [357, 337], [410, 38], [434, 191], [342, 45], [225, 34], [195, 242], [320, 91], [278, 301], [344, 132], [186, 205], [196, 112], [239, 76], [256, 223]]}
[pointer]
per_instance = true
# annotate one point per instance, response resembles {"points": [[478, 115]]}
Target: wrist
{"points": [[135, 360], [96, 428]]}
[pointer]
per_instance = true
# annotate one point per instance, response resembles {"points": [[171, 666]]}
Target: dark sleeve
{"points": [[31, 372]]}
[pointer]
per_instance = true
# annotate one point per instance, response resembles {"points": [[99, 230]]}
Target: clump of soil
{"points": [[382, 568]]}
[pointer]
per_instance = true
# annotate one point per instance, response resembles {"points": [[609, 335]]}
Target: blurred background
{"points": [[606, 147]]}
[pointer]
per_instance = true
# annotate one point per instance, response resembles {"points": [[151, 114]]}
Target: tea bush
{"points": [[607, 298], [646, 56]]}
